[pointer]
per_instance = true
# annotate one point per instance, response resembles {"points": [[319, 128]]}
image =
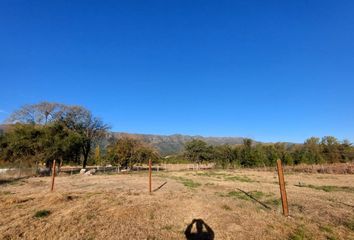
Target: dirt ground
{"points": [[233, 204]]}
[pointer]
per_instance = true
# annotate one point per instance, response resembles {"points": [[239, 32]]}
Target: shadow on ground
{"points": [[11, 180], [254, 199], [201, 234], [160, 187]]}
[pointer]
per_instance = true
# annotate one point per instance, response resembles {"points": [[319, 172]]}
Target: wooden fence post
{"points": [[149, 175], [284, 199], [53, 176]]}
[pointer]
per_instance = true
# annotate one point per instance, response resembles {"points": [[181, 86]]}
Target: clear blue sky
{"points": [[269, 70]]}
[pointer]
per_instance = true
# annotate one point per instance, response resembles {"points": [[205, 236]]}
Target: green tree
{"points": [[330, 149], [32, 144], [127, 151], [224, 155], [247, 156], [59, 143], [272, 154], [22, 144], [347, 151], [312, 151], [198, 151], [259, 155]]}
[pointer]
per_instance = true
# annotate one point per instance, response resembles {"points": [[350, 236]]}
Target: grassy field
{"points": [[234, 204]]}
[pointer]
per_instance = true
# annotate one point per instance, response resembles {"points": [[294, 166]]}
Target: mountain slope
{"points": [[172, 144]]}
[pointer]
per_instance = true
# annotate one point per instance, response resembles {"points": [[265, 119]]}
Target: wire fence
{"points": [[15, 172], [19, 171]]}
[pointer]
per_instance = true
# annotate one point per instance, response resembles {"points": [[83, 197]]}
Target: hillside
{"points": [[172, 144]]}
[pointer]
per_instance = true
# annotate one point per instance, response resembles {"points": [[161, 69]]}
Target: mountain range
{"points": [[173, 144]]}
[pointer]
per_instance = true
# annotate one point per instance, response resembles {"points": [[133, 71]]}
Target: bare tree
{"points": [[40, 113], [90, 128]]}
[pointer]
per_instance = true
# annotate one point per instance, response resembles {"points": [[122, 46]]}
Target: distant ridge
{"points": [[173, 144]]}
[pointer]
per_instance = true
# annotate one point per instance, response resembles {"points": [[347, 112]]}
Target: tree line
{"points": [[40, 133], [251, 154]]}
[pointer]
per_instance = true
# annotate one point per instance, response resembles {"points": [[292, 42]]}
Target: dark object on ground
{"points": [[160, 187], [43, 172], [42, 213], [200, 234]]}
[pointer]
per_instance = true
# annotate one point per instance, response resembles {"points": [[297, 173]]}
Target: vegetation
{"points": [[238, 178], [198, 151], [327, 188], [350, 224], [31, 144], [301, 233], [226, 207], [42, 132], [128, 151], [250, 154], [186, 182], [237, 194], [47, 131]]}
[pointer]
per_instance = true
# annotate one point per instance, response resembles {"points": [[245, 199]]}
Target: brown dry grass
{"points": [[119, 206]]}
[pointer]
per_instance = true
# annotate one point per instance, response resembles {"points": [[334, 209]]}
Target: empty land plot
{"points": [[120, 207]]}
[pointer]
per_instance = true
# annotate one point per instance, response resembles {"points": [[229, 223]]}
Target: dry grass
{"points": [[119, 206]]}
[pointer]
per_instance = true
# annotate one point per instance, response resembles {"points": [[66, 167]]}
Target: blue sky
{"points": [[269, 70]]}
